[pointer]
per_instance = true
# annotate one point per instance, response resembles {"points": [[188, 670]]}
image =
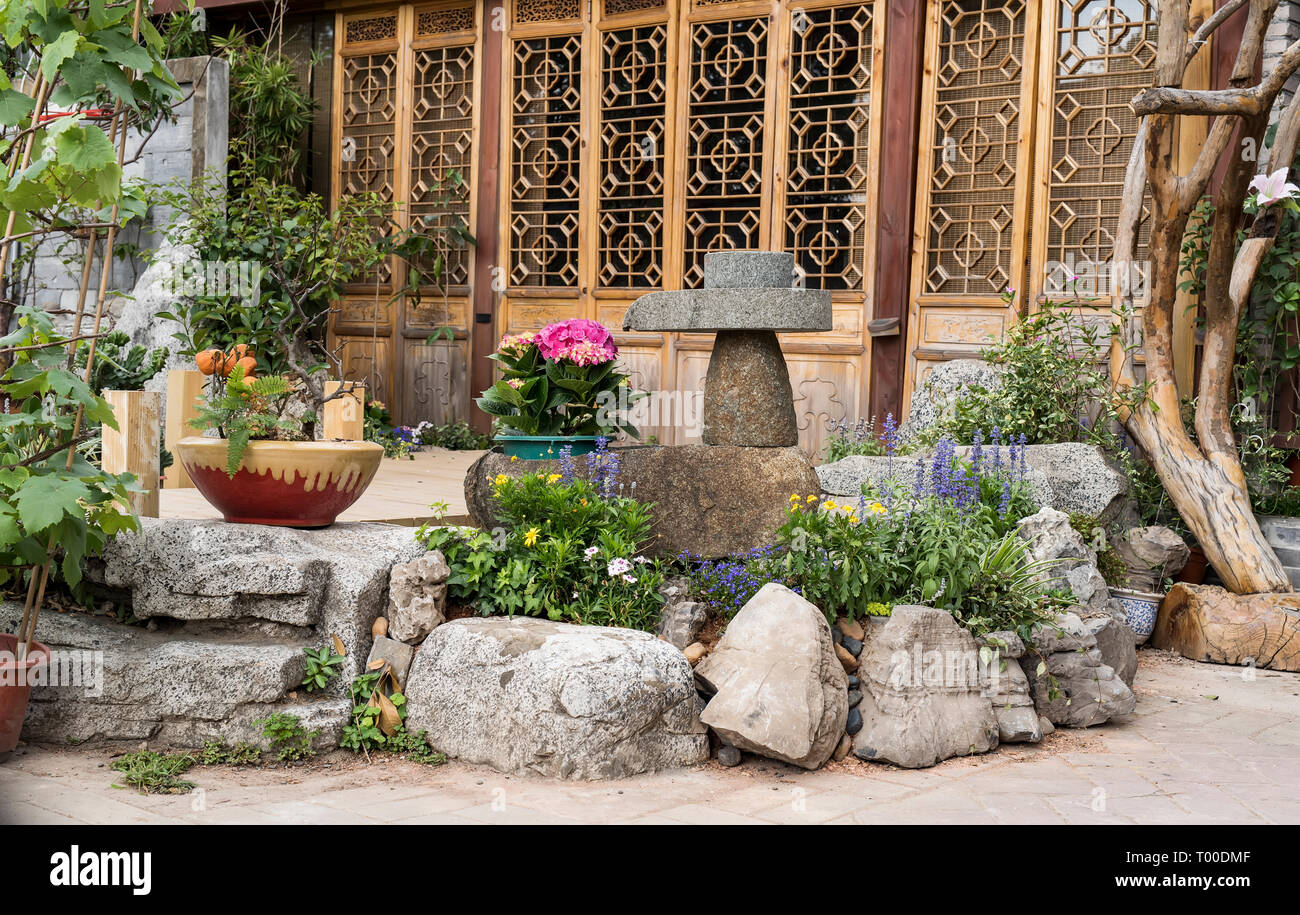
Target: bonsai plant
{"points": [[556, 389], [265, 467]]}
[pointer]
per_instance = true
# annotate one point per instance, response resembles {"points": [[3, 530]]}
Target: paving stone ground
{"points": [[1208, 744]]}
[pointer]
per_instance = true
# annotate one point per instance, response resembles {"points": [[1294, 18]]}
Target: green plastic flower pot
{"points": [[545, 447]]}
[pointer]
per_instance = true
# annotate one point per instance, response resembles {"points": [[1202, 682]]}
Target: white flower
{"points": [[1272, 188], [629, 579], [591, 552], [640, 560], [618, 566]]}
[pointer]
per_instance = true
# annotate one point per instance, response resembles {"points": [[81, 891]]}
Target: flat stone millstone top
{"points": [[709, 311], [748, 270]]}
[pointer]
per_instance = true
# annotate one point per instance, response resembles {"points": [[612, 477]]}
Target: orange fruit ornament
{"points": [[248, 364], [211, 361]]}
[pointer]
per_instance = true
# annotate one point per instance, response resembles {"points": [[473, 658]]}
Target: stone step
{"points": [[1288, 555], [1280, 530]]}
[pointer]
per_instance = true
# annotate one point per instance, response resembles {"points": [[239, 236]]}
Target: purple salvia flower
{"points": [[1005, 502], [976, 451], [566, 464], [1023, 455]]}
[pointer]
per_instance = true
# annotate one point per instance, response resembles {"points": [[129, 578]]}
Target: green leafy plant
{"points": [[322, 667], [244, 410], [120, 365], [1109, 563], [454, 436], [155, 773], [219, 753], [45, 500], [860, 438], [290, 741]]}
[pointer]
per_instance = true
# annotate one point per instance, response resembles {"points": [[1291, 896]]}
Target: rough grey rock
{"points": [[1004, 641], [933, 401], [1050, 537], [169, 686], [709, 500], [1007, 688], [334, 580], [1082, 479], [1116, 644], [728, 756], [923, 698], [399, 656], [1089, 690], [778, 688], [153, 293], [583, 702], [748, 400], [681, 622], [1151, 554], [844, 478], [748, 270], [417, 596], [706, 311]]}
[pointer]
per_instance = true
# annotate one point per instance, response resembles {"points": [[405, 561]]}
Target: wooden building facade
{"points": [[918, 157]]}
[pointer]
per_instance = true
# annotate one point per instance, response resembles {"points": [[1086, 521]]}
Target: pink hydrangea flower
{"points": [[515, 343], [579, 341]]}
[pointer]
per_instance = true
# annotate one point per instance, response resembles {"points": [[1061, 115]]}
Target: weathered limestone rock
{"points": [[1116, 644], [1151, 554], [844, 478], [709, 500], [778, 688], [1008, 691], [584, 702], [1206, 623], [1089, 691], [179, 686], [932, 402], [417, 596], [681, 622], [1051, 537], [923, 698], [399, 656]]}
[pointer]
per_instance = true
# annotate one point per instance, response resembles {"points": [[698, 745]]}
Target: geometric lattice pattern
{"points": [[826, 183], [724, 167], [546, 10], [442, 133], [972, 176], [545, 179], [633, 103], [1105, 50], [369, 88]]}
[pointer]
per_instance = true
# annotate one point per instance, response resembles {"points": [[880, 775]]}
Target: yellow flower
{"points": [[853, 519], [530, 537], [830, 505], [501, 479], [514, 457], [878, 509], [811, 499], [584, 501], [553, 477], [795, 498]]}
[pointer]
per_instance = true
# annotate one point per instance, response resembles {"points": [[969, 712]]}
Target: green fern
{"points": [[245, 410]]}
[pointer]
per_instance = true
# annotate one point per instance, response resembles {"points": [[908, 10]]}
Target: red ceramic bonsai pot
{"points": [[16, 688], [291, 484]]}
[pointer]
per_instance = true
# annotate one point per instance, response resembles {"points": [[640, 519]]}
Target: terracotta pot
{"points": [[1193, 572], [15, 688], [291, 484]]}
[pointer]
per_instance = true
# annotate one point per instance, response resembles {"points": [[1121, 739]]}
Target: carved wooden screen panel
{"points": [[1103, 52], [727, 86], [405, 104], [974, 179]]}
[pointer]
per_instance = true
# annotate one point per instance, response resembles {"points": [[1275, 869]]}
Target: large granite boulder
{"points": [[777, 687], [710, 500], [933, 401], [178, 686], [583, 702], [1207, 623], [1071, 684], [332, 581], [1082, 479], [923, 694], [1051, 538]]}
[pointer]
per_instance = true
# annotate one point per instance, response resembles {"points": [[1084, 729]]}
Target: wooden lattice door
{"points": [[405, 105], [640, 134], [1026, 134]]}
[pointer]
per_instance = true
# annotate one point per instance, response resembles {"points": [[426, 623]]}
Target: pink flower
{"points": [[578, 340], [1272, 188], [516, 343]]}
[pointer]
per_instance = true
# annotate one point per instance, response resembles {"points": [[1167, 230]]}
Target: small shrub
{"points": [[219, 753], [290, 741], [155, 773], [322, 667], [859, 438], [454, 436], [1109, 563]]}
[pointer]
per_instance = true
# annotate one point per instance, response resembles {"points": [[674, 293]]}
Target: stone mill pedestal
{"points": [[746, 300]]}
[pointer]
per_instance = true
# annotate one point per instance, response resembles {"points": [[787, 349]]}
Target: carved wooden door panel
{"points": [[1026, 135], [640, 134], [405, 103]]}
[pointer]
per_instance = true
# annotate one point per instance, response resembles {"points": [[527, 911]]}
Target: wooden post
{"points": [[345, 417], [133, 447], [184, 394]]}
